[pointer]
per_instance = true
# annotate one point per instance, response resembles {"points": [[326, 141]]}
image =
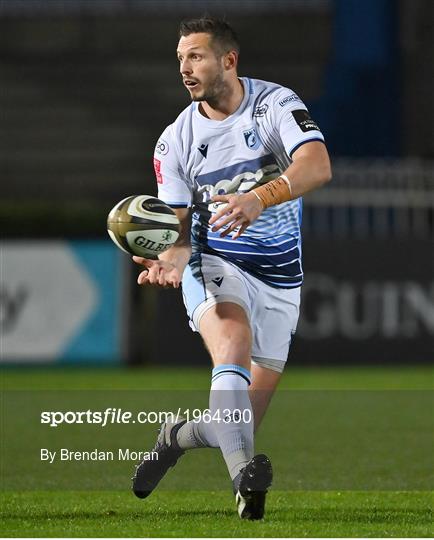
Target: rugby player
{"points": [[233, 166]]}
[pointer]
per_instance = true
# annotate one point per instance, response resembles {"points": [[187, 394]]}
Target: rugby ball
{"points": [[143, 225]]}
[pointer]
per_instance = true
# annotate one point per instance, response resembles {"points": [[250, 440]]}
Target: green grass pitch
{"points": [[209, 511]]}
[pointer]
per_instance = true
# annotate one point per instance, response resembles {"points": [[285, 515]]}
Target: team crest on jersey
{"points": [[252, 139]]}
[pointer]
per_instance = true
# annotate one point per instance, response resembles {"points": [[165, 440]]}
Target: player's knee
{"points": [[233, 347], [229, 343]]}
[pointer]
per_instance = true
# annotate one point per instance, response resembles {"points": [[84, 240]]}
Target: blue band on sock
{"points": [[231, 368]]}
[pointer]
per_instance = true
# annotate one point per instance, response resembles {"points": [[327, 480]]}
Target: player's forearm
{"points": [[307, 175], [179, 254], [309, 170]]}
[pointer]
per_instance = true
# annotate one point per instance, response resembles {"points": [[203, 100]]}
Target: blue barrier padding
{"points": [[99, 337]]}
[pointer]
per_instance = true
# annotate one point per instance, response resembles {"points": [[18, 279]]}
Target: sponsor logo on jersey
{"points": [[289, 99], [203, 149], [304, 120], [260, 110], [157, 169], [162, 147], [251, 138], [241, 177], [218, 281]]}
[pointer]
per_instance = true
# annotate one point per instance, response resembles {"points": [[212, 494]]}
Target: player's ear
{"points": [[230, 60]]}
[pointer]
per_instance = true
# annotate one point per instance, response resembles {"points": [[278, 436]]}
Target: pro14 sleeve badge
{"points": [[304, 121]]}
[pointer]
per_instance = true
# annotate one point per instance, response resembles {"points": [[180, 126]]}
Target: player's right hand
{"points": [[160, 273]]}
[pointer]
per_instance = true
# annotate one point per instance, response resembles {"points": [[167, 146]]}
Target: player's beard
{"points": [[214, 90]]}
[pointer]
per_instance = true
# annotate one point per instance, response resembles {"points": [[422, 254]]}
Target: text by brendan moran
{"points": [[121, 454]]}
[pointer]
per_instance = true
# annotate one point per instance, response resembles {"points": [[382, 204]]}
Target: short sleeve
{"points": [[293, 121], [173, 187]]}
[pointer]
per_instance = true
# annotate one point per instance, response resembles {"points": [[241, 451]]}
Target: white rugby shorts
{"points": [[273, 313]]}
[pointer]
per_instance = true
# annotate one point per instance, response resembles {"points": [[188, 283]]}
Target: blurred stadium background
{"points": [[87, 86]]}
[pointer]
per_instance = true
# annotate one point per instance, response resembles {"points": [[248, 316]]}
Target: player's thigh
{"points": [[218, 302], [226, 332]]}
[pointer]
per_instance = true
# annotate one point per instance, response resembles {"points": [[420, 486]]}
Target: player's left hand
{"points": [[240, 211]]}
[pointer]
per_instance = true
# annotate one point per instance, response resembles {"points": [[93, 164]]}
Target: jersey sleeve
{"points": [[293, 121], [173, 187]]}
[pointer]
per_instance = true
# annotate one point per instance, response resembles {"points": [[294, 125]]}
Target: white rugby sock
{"points": [[230, 406], [197, 434], [229, 394]]}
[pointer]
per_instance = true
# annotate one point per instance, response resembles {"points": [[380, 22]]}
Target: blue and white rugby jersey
{"points": [[196, 158]]}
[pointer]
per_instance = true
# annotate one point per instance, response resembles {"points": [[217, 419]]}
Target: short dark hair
{"points": [[223, 36]]}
